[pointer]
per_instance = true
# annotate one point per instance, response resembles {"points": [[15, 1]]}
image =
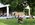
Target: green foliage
{"points": [[32, 5], [29, 21], [14, 4], [19, 7], [12, 22], [33, 11]]}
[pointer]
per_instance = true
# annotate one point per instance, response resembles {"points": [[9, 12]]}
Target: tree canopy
{"points": [[15, 4]]}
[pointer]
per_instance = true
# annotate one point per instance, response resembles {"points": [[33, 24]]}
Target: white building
{"points": [[2, 7]]}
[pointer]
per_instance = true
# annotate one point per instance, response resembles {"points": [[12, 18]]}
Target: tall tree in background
{"points": [[32, 5]]}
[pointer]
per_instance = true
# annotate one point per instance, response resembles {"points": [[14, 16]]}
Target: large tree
{"points": [[15, 4], [32, 5]]}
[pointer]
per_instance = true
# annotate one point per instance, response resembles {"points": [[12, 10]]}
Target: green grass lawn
{"points": [[14, 22]]}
